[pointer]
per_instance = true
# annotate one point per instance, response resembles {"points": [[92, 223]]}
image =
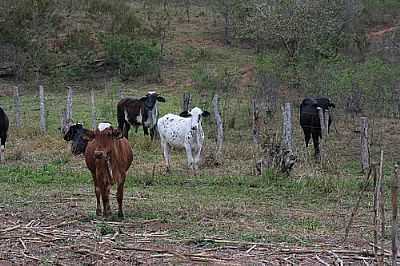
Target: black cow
{"points": [[309, 119], [136, 112], [76, 133], [4, 124]]}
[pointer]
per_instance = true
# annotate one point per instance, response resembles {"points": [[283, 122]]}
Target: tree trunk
{"points": [[256, 121], [17, 103], [43, 126], [92, 100]]}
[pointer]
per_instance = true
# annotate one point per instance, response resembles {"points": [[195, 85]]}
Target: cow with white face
{"points": [[183, 131]]}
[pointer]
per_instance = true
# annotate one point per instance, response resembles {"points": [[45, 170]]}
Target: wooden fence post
{"points": [[395, 188], [323, 133], [63, 122], [69, 104], [326, 120], [186, 101], [382, 202], [17, 103], [220, 130], [43, 127], [287, 127], [364, 144], [92, 100], [376, 204], [256, 120]]}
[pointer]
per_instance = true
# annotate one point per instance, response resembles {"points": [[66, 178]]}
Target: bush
{"points": [[130, 57]]}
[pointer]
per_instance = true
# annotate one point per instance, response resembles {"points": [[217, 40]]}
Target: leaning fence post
{"points": [[186, 101], [364, 144], [17, 103], [220, 130], [42, 110], [69, 103], [395, 188], [287, 127], [92, 100]]}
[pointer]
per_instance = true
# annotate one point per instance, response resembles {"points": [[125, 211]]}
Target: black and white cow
{"points": [[135, 112], [183, 131], [75, 133], [4, 124], [309, 119]]}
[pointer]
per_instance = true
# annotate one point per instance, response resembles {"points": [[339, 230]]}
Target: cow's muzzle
{"points": [[100, 155]]}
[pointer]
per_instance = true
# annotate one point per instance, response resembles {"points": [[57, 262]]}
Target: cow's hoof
{"points": [[98, 212], [121, 215]]}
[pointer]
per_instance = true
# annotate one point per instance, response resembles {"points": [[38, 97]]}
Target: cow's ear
{"points": [[161, 99], [88, 135], [143, 99], [117, 133], [332, 105], [185, 114], [205, 114]]}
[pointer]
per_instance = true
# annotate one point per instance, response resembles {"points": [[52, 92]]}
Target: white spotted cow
{"points": [[182, 131]]}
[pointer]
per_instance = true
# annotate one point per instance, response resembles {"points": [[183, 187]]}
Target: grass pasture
{"points": [[225, 215]]}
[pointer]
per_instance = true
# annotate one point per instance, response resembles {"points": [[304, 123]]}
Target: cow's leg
{"points": [[167, 153], [106, 201], [315, 136], [188, 149], [120, 197], [145, 130], [125, 129], [153, 132], [98, 192], [307, 136], [197, 157], [98, 206]]}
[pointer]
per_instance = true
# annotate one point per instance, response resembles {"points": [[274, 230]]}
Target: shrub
{"points": [[130, 57]]}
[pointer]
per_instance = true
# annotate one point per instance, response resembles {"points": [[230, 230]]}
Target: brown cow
{"points": [[108, 156]]}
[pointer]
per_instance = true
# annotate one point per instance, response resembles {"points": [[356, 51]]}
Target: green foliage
{"points": [[204, 78], [130, 57], [195, 54]]}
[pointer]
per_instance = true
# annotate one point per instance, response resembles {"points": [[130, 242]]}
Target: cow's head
{"points": [[104, 137], [151, 98], [75, 133], [324, 102], [196, 114]]}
